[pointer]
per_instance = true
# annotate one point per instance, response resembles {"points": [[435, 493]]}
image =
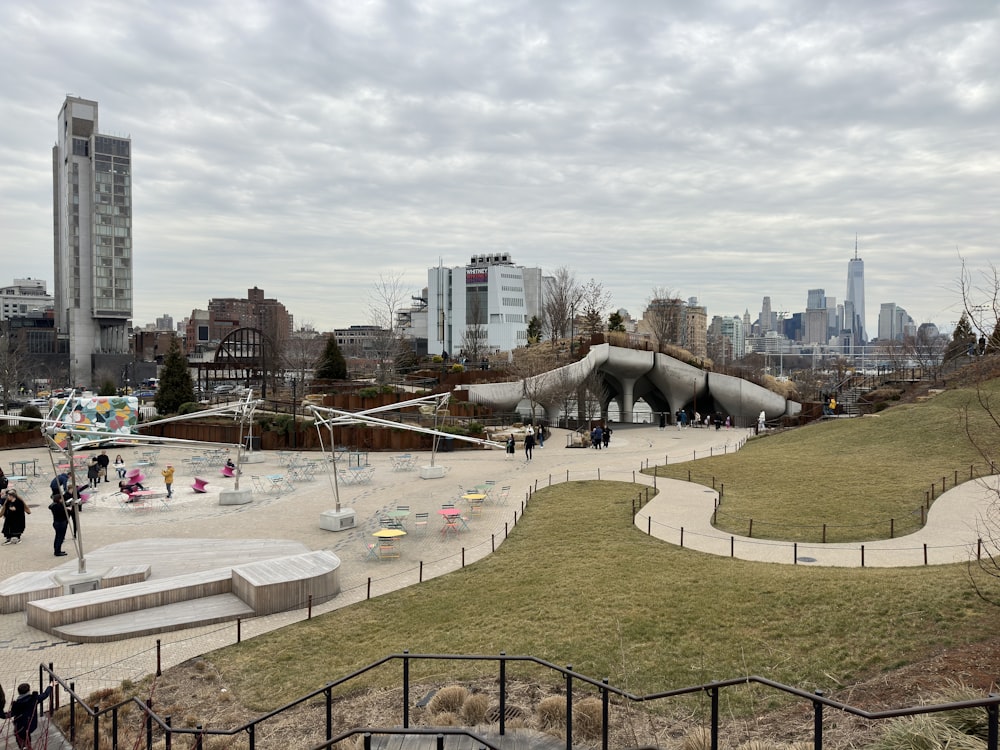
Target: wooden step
{"points": [[207, 610]]}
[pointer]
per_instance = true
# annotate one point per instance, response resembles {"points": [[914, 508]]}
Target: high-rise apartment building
{"points": [[856, 296], [92, 195]]}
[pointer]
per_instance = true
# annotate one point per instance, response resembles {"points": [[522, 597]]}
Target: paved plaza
{"points": [[293, 516]]}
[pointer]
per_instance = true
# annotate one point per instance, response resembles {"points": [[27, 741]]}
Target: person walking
{"points": [[3, 480], [14, 512], [529, 444], [606, 436], [168, 479], [24, 712], [60, 522]]}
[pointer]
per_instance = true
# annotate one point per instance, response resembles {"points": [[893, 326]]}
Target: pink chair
{"points": [[227, 471], [199, 484]]}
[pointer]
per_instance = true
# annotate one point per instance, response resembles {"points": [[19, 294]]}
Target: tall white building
{"points": [[856, 296], [485, 305], [894, 323], [92, 193], [22, 297]]}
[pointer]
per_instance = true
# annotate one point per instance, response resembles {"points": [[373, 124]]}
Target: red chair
{"points": [[199, 484]]}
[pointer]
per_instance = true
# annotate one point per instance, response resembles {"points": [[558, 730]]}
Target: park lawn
{"points": [[576, 583], [853, 475]]}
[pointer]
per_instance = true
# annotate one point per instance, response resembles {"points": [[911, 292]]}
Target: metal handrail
{"points": [[991, 703]]}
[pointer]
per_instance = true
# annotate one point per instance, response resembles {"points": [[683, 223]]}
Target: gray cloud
{"points": [[727, 150]]}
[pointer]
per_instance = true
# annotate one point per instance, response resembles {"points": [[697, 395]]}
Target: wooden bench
{"points": [[48, 614], [255, 588], [19, 589]]}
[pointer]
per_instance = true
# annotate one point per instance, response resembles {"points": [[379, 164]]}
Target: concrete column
{"points": [[627, 399]]}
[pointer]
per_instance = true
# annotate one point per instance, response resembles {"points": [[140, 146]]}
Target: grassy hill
{"points": [[577, 584]]}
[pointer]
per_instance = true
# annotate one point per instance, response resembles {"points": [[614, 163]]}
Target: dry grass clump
{"points": [[448, 699], [551, 713], [474, 709], [924, 732], [698, 738], [964, 729], [587, 716], [446, 719], [757, 745]]}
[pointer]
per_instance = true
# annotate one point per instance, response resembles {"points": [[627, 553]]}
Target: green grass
{"points": [[576, 583], [852, 475]]}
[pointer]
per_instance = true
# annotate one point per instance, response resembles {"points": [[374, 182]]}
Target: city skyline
{"points": [[723, 151]]}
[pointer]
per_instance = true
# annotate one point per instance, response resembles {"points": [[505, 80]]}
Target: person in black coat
{"points": [[60, 522], [24, 712]]}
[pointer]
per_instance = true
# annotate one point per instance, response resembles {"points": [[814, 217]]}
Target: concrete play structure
{"points": [[665, 383]]}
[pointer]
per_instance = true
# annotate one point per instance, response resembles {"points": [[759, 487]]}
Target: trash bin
{"points": [[253, 442], [447, 445]]}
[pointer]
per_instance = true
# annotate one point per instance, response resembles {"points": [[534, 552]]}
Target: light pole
{"points": [[295, 425]]}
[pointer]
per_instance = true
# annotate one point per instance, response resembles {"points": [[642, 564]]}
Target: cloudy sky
{"points": [[722, 149]]}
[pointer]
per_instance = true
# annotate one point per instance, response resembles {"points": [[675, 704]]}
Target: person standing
{"points": [[60, 522], [510, 447], [104, 461], [3, 480], [14, 512], [24, 712], [93, 472], [529, 444], [606, 435], [168, 479], [120, 466]]}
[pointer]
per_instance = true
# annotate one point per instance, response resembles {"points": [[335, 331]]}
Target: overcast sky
{"points": [[722, 150]]}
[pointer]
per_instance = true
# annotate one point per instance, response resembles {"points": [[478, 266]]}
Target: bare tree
{"points": [[562, 295], [593, 396], [386, 298], [664, 316], [302, 352], [527, 364], [981, 300], [474, 337], [981, 417], [594, 301], [12, 367]]}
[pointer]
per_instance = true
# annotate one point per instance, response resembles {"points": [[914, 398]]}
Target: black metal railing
{"points": [[156, 728]]}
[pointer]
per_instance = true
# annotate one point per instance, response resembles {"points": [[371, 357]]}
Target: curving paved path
{"points": [[294, 517]]}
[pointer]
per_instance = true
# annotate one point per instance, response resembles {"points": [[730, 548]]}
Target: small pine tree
{"points": [[108, 388], [963, 339], [993, 345], [176, 386], [616, 322], [331, 365], [534, 330]]}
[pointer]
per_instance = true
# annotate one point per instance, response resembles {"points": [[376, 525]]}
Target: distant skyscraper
{"points": [[92, 195], [816, 299], [856, 294], [766, 323]]}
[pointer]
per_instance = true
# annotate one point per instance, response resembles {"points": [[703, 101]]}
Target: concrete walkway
{"points": [[294, 516]]}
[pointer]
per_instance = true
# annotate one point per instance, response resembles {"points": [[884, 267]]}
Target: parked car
{"points": [[39, 403], [224, 388], [145, 394]]}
